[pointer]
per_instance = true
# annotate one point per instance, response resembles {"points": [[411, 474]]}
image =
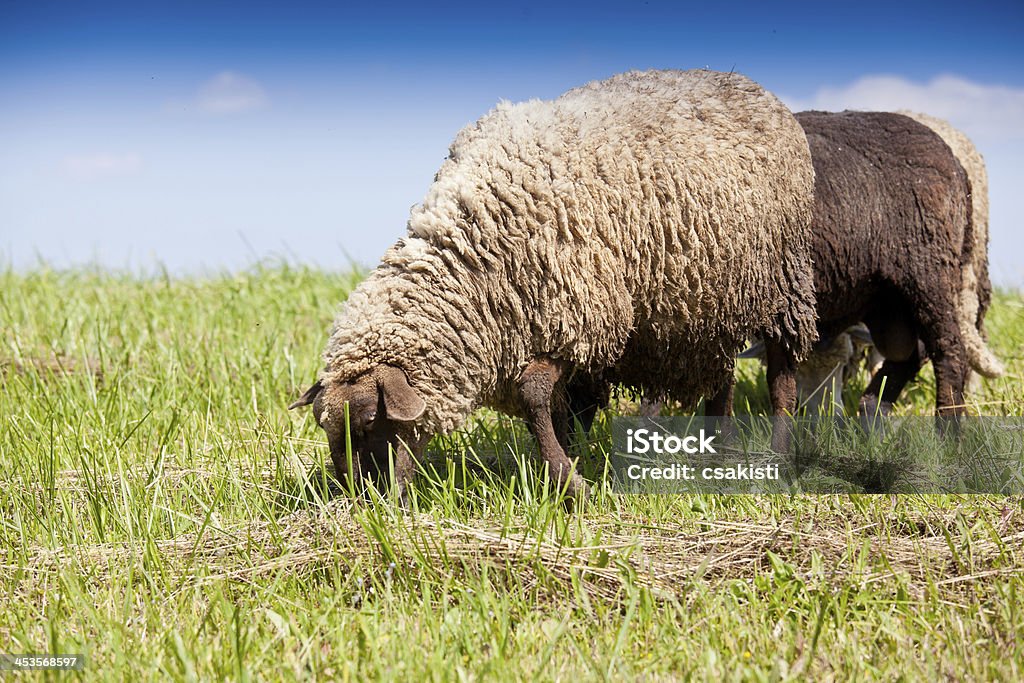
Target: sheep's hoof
{"points": [[870, 407], [873, 413], [575, 491]]}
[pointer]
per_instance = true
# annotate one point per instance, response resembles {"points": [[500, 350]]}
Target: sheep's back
{"points": [[662, 210], [890, 210]]}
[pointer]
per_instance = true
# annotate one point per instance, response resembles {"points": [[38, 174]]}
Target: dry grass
{"points": [[664, 559]]}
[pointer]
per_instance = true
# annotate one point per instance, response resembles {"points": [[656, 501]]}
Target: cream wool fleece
{"points": [[649, 223]]}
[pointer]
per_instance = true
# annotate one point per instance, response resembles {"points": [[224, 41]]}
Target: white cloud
{"points": [[229, 92], [97, 166], [984, 112]]}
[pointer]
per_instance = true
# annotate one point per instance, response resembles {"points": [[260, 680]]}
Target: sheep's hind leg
{"points": [[537, 389], [561, 420], [720, 405], [585, 395], [894, 333], [718, 410], [939, 328], [887, 384], [781, 375], [949, 360]]}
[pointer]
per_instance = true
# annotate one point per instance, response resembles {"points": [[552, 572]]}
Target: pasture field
{"points": [[164, 514]]}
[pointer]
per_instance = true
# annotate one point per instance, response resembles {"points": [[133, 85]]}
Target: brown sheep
{"points": [[891, 235]]}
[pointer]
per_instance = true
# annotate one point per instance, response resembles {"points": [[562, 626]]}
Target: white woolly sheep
{"points": [[649, 223]]}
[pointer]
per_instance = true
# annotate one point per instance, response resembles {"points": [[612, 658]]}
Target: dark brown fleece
{"points": [[891, 232]]}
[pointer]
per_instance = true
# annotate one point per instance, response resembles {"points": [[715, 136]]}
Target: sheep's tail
{"points": [[980, 357]]}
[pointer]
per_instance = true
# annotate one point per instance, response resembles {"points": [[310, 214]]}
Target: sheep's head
{"points": [[383, 409]]}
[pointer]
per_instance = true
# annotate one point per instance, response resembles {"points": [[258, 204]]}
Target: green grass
{"points": [[160, 513]]}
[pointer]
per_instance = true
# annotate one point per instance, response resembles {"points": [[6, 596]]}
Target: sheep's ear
{"points": [[309, 396], [401, 402]]}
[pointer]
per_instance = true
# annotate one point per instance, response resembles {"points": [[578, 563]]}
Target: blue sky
{"points": [[206, 136]]}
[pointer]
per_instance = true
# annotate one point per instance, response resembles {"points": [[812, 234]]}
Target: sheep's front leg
{"points": [[720, 405], [537, 390], [351, 479]]}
